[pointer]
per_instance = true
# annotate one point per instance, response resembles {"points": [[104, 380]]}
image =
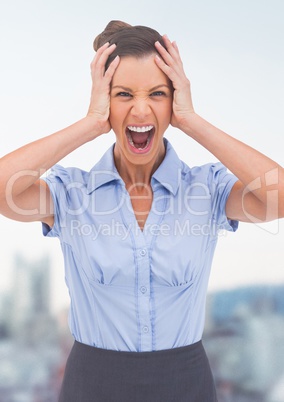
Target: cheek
{"points": [[113, 117], [166, 113], [116, 113], [116, 122]]}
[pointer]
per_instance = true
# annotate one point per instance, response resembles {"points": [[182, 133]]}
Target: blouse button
{"points": [[145, 329], [143, 252], [143, 289]]}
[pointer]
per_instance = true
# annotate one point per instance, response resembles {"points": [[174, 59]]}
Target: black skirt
{"points": [[173, 375]]}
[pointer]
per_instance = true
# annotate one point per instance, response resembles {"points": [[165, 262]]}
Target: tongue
{"points": [[139, 138]]}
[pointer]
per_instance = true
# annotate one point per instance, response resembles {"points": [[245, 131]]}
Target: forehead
{"points": [[139, 73]]}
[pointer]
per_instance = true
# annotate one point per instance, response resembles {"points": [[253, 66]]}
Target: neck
{"points": [[136, 175]]}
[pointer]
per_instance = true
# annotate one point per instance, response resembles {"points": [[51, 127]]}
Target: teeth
{"points": [[140, 129], [130, 140], [132, 143], [147, 143]]}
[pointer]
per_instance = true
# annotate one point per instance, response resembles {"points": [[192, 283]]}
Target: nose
{"points": [[141, 109]]}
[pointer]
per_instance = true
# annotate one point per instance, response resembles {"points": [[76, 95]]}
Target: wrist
{"points": [[191, 124], [94, 127], [203, 132]]}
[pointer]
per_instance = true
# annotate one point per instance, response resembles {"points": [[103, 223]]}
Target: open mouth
{"points": [[140, 137]]}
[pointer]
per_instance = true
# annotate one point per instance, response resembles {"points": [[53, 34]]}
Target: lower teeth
{"points": [[147, 143], [132, 143]]}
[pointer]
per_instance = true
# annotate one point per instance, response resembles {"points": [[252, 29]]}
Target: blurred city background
{"points": [[244, 339]]}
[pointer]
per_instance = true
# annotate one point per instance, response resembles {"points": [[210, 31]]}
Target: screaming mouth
{"points": [[140, 137]]}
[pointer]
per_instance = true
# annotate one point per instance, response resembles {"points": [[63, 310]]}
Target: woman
{"points": [[138, 231]]}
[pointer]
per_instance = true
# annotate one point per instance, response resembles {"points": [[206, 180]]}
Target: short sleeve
{"points": [[220, 183], [57, 181]]}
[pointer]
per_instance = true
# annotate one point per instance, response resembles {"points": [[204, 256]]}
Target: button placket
{"points": [[142, 277], [143, 283]]}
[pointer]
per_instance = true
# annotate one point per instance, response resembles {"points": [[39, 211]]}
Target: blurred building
{"points": [[244, 339], [30, 314], [276, 394], [245, 343], [31, 356]]}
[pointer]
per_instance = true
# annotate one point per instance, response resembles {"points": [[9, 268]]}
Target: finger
{"points": [[99, 52], [167, 41], [175, 46], [164, 67], [171, 56], [174, 72], [102, 48], [112, 67], [170, 48], [165, 55], [102, 55]]}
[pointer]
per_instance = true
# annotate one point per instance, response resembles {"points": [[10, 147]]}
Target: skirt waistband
{"points": [[182, 350], [101, 375]]}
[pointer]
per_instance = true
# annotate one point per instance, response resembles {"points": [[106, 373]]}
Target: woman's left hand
{"points": [[172, 66]]}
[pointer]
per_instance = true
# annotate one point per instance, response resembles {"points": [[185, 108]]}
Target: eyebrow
{"points": [[130, 90]]}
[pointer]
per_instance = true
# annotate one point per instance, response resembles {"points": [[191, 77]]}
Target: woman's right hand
{"points": [[100, 96]]}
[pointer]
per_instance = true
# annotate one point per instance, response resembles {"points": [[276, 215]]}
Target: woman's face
{"points": [[140, 110]]}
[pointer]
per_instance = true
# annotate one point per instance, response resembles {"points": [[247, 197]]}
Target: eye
{"points": [[158, 93], [124, 94]]}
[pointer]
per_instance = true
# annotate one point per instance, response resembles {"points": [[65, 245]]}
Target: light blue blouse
{"points": [[134, 290]]}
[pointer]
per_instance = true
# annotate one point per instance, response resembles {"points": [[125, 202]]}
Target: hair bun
{"points": [[111, 28]]}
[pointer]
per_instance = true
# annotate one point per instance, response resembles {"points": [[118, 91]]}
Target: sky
{"points": [[232, 53]]}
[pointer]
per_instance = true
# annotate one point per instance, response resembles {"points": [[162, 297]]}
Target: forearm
{"points": [[255, 170], [260, 178], [25, 165]]}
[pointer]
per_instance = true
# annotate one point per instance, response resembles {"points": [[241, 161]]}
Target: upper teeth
{"points": [[140, 129]]}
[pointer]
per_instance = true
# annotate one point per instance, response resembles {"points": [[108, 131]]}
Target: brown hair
{"points": [[136, 41]]}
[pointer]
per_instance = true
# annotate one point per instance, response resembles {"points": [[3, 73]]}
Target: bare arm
{"points": [[258, 196], [23, 196]]}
